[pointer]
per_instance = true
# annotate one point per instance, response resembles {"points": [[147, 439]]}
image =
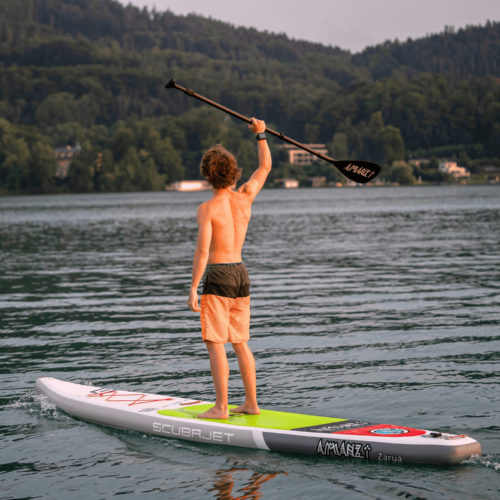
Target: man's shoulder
{"points": [[206, 208], [207, 205], [246, 193], [243, 189], [203, 209]]}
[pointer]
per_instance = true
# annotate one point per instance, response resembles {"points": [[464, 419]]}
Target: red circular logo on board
{"points": [[383, 430]]}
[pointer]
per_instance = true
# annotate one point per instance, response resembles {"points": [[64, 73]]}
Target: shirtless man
{"points": [[225, 300]]}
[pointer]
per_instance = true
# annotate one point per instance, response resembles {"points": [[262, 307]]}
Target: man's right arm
{"points": [[200, 258], [256, 182]]}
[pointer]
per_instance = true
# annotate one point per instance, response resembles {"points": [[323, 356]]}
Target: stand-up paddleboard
{"points": [[271, 430]]}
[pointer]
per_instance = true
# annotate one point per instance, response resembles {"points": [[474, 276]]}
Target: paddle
{"points": [[358, 171]]}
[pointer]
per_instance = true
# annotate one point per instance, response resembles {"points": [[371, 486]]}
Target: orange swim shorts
{"points": [[225, 304]]}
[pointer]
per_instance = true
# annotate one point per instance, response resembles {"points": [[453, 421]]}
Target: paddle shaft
{"points": [[358, 171]]}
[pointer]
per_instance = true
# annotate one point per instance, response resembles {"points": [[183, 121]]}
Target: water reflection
{"points": [[250, 489]]}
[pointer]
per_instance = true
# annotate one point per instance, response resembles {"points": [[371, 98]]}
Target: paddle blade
{"points": [[358, 171]]}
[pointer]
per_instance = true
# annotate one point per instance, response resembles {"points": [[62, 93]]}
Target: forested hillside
{"points": [[93, 72]]}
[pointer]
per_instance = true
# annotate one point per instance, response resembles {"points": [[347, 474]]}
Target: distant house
{"points": [[451, 167], [298, 156], [287, 183], [64, 157], [190, 186]]}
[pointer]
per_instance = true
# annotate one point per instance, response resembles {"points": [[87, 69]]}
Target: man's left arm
{"points": [[256, 182], [200, 258]]}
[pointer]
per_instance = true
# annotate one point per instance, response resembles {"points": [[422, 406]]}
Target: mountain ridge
{"points": [[94, 71]]}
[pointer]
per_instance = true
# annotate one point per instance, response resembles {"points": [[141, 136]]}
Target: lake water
{"points": [[377, 304]]}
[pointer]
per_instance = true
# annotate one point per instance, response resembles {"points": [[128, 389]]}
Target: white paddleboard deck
{"points": [[271, 430]]}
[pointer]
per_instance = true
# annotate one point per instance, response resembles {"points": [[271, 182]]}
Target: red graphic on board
{"points": [[129, 397], [383, 430], [453, 436]]}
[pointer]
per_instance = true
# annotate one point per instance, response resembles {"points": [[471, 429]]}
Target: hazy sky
{"points": [[349, 24]]}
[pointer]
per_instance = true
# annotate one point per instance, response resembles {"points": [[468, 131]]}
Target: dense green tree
{"points": [[122, 142], [147, 177], [57, 108], [81, 175], [339, 146], [63, 134], [401, 173], [393, 147], [166, 158], [42, 168], [27, 161], [14, 168]]}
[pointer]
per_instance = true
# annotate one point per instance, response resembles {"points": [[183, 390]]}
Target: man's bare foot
{"points": [[215, 413], [246, 408]]}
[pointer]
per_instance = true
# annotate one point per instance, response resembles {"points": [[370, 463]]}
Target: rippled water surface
{"points": [[379, 304]]}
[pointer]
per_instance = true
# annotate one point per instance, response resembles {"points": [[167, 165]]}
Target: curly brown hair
{"points": [[219, 167]]}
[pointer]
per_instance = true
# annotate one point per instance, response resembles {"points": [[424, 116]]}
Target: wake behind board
{"points": [[271, 430]]}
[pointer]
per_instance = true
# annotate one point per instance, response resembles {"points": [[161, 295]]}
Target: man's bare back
{"points": [[229, 213]]}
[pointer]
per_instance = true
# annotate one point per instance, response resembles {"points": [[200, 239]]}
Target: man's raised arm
{"points": [[256, 182]]}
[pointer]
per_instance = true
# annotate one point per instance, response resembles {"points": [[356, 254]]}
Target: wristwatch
{"points": [[261, 136]]}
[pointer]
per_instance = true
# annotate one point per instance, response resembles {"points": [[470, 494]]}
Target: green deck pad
{"points": [[268, 419]]}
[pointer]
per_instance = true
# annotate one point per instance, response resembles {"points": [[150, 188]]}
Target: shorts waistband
{"points": [[225, 264]]}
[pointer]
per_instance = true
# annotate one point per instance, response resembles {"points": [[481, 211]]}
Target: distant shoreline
{"points": [[269, 188]]}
